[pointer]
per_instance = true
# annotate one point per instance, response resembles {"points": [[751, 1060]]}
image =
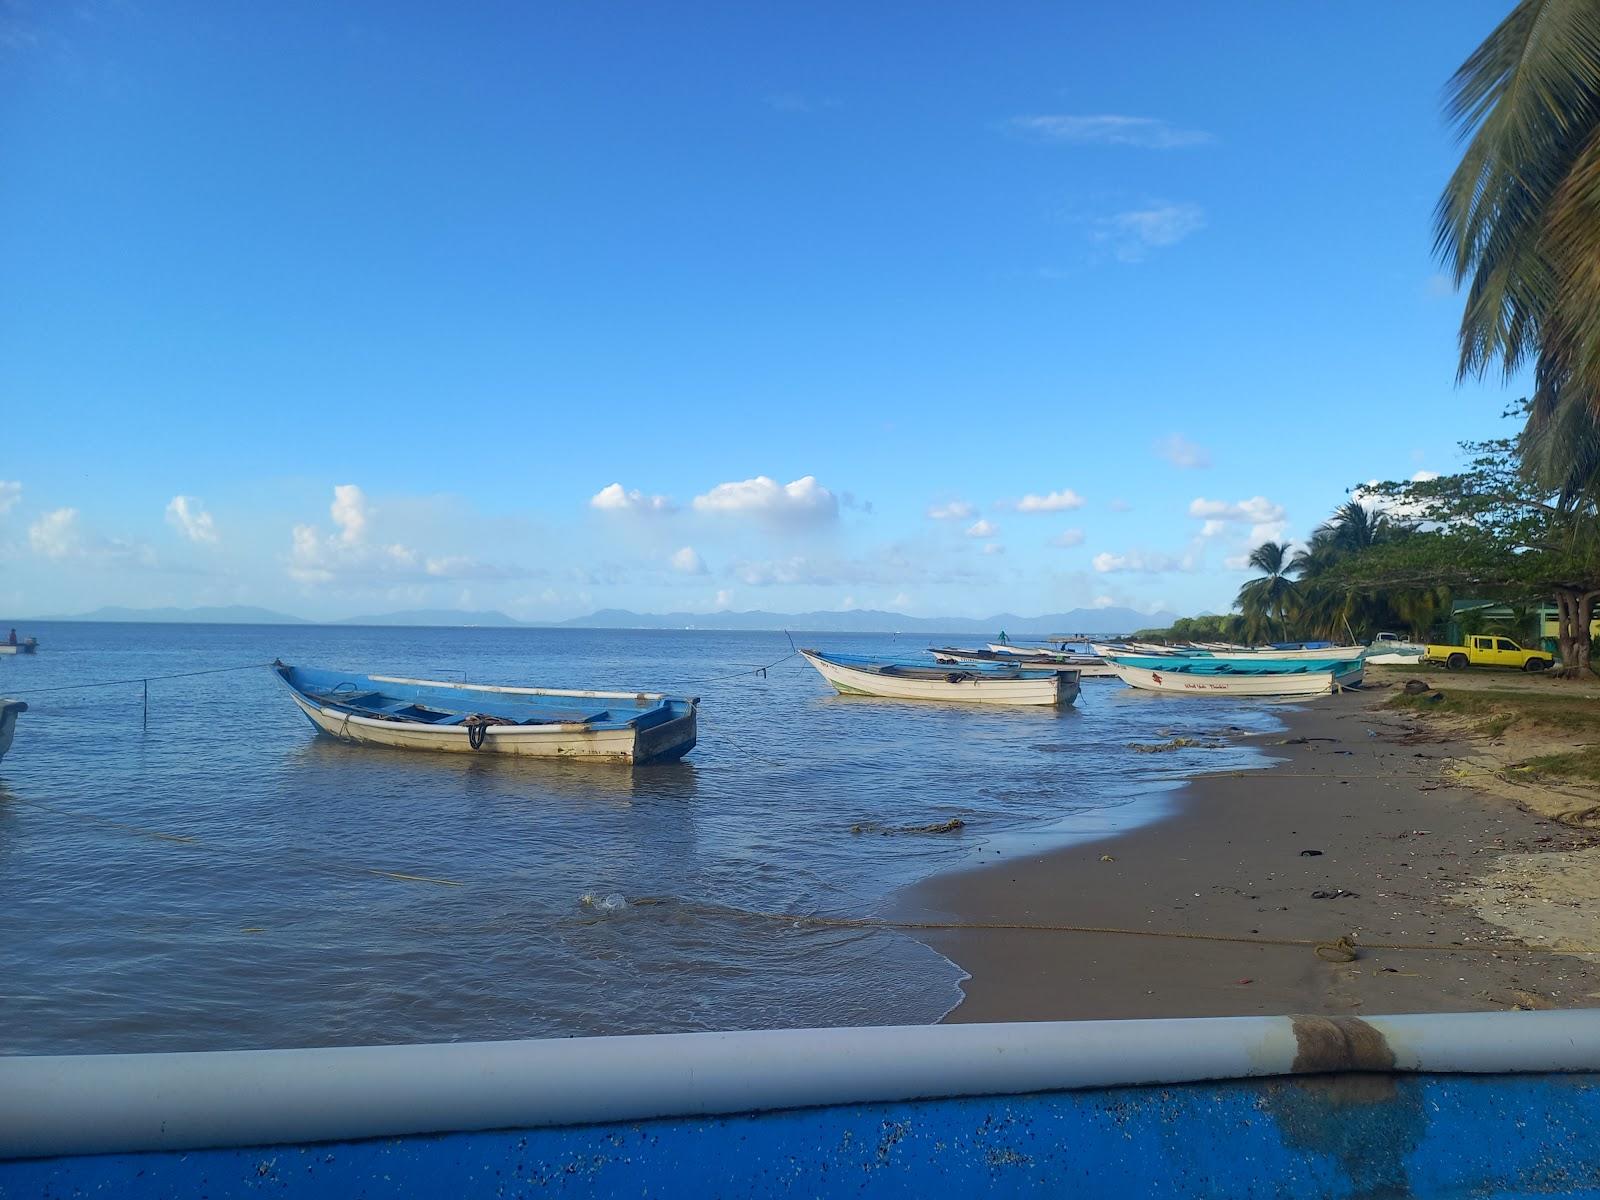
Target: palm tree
{"points": [[1270, 594], [1519, 221], [1354, 527]]}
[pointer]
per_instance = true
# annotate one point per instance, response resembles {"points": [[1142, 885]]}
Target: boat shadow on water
{"points": [[504, 773]]}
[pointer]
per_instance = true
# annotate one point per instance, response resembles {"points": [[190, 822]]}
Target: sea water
{"points": [[225, 878]]}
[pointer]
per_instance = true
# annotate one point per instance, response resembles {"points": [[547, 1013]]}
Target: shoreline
{"points": [[1407, 855]]}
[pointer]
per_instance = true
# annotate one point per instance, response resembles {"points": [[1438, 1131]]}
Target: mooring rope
{"points": [[67, 687], [1345, 948]]}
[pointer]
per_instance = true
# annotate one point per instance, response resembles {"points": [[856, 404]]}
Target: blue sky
{"points": [[552, 307]]}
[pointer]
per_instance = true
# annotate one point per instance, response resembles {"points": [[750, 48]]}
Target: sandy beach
{"points": [[1363, 827]]}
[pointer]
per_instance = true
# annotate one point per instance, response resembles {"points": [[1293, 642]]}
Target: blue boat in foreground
{"points": [[424, 714], [1478, 1104]]}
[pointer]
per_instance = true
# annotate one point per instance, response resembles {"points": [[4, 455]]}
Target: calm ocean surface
{"points": [[215, 881]]}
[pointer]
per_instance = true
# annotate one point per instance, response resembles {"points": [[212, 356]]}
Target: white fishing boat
{"points": [[10, 710], [856, 675], [1231, 677], [25, 646], [425, 714], [1392, 650]]}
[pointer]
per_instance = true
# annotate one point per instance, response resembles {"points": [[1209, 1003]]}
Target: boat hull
{"points": [[10, 710], [1480, 1104], [1046, 688], [1311, 683], [666, 742], [1391, 658]]}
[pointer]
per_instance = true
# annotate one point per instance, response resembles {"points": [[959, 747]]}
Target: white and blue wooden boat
{"points": [[424, 714], [10, 710], [1485, 1104], [969, 683], [1237, 676], [25, 646]]}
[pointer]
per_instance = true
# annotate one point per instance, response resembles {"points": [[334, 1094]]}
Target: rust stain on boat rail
{"points": [[1326, 1044]]}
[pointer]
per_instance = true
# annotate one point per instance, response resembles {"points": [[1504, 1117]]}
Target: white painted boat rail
{"points": [[86, 1104]]}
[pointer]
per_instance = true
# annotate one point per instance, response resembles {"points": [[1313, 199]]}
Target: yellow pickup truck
{"points": [[1488, 651]]}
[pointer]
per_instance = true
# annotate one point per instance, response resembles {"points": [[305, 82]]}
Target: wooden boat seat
{"points": [[544, 718]]}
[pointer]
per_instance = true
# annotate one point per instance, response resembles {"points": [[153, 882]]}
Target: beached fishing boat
{"points": [[972, 683], [422, 714], [1429, 1105], [10, 710], [25, 646], [1392, 650], [1235, 677]]}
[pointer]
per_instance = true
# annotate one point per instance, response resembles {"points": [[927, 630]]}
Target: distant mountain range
{"points": [[228, 614], [866, 620], [855, 620]]}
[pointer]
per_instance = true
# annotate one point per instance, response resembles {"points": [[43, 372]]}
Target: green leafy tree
{"points": [[1492, 529]]}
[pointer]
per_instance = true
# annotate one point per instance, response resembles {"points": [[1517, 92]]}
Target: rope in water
{"points": [[1345, 948], [68, 687], [761, 671], [179, 839]]}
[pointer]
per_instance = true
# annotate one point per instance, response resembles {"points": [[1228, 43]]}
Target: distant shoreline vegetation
{"points": [[1402, 556]]}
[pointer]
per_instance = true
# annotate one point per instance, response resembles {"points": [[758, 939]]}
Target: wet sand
{"points": [[1405, 854]]}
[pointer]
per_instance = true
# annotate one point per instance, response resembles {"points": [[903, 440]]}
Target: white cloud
{"points": [[616, 498], [1067, 538], [1132, 235], [349, 553], [901, 600], [724, 598], [1104, 602], [1181, 452], [349, 512], [185, 514], [993, 548], [1142, 563], [1266, 519], [10, 496], [1109, 129], [955, 510], [982, 528], [687, 561], [1387, 504], [1120, 505], [56, 535], [804, 501], [1060, 501]]}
